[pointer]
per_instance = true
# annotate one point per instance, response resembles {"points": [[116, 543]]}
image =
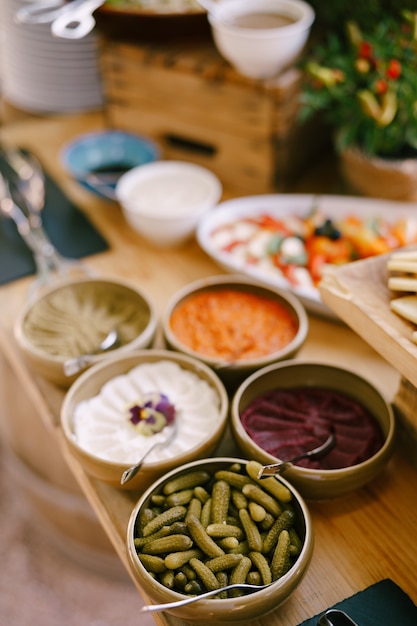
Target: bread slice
{"points": [[402, 283], [406, 307]]}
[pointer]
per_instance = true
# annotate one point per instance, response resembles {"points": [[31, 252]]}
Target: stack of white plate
{"points": [[46, 74]]}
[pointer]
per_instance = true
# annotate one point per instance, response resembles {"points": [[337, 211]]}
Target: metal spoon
{"points": [[277, 468], [170, 431], [153, 608], [74, 365]]}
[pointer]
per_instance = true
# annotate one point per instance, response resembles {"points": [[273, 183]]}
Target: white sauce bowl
{"points": [[164, 200]]}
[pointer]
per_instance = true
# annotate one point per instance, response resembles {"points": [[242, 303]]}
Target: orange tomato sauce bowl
{"points": [[234, 325]]}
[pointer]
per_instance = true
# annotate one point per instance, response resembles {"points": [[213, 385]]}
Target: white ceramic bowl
{"points": [[318, 483], [256, 51], [246, 609], [164, 201], [72, 317], [95, 415]]}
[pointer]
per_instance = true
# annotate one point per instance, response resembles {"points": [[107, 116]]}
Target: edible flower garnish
{"points": [[151, 413]]}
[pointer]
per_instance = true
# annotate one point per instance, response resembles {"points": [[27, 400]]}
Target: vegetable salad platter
{"points": [[292, 240]]}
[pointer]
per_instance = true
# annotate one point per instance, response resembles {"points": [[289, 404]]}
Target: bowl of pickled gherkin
{"points": [[212, 523], [76, 323]]}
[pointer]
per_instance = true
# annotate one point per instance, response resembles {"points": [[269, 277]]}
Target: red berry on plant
{"points": [[394, 69]]}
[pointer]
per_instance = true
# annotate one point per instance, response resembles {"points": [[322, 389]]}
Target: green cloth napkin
{"points": [[67, 226], [382, 604]]}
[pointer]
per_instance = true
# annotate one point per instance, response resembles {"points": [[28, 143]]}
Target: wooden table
{"points": [[359, 539]]}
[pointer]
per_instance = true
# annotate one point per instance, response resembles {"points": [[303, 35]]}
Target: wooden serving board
{"points": [[358, 292]]}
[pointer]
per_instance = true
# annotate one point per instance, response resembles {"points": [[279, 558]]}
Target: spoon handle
{"points": [[274, 469], [281, 466], [73, 366], [153, 608], [132, 471]]}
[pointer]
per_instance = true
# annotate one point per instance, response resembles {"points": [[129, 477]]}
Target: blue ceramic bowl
{"points": [[98, 159]]}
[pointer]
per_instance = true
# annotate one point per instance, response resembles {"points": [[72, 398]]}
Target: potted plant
{"points": [[365, 87]]}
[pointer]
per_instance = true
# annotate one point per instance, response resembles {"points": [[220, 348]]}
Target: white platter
{"points": [[285, 206]]}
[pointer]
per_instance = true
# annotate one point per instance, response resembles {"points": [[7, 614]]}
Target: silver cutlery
{"points": [[277, 468], [44, 11], [154, 608], [69, 20], [41, 254], [332, 617], [30, 187], [170, 433], [74, 365], [50, 264], [78, 22], [30, 181]]}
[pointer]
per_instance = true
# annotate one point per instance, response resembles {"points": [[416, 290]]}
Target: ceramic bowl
{"points": [[164, 201], [261, 38], [233, 369], [96, 423], [316, 483], [74, 316], [97, 160], [246, 608]]}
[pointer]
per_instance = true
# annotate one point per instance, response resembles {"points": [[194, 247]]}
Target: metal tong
{"points": [[29, 185], [70, 20]]}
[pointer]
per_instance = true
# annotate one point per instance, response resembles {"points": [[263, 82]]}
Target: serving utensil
{"points": [[332, 617], [29, 183], [78, 22], [70, 20], [170, 433], [40, 254], [43, 251], [336, 617], [74, 365], [315, 453], [154, 608], [29, 186], [43, 12]]}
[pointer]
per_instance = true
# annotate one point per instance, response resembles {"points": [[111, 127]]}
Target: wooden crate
{"points": [[197, 108]]}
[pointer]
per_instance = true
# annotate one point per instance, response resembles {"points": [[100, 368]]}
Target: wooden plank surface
{"points": [[379, 521]]}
